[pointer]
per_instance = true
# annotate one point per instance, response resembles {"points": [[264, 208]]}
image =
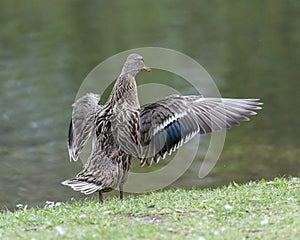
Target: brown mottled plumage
{"points": [[122, 129]]}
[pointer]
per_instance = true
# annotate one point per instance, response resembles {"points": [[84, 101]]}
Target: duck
{"points": [[122, 129]]}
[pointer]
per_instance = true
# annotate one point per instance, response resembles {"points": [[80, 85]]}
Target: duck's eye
{"points": [[140, 58]]}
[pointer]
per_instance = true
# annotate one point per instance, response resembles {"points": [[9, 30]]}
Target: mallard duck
{"points": [[122, 129]]}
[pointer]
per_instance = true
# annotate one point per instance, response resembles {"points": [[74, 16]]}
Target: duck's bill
{"points": [[146, 69]]}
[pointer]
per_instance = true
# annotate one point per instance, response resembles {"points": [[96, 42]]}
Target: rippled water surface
{"points": [[251, 49]]}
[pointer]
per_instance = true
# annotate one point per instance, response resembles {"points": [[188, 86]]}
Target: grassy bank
{"points": [[262, 210]]}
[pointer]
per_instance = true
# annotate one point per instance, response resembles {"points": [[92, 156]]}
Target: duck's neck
{"points": [[124, 93]]}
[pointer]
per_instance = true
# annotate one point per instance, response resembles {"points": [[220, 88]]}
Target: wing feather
{"points": [[82, 123], [172, 121]]}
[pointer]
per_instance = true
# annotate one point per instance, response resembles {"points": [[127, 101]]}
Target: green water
{"points": [[250, 48]]}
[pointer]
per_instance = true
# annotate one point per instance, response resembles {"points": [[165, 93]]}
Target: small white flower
{"points": [[60, 230], [223, 229], [228, 207], [264, 221], [50, 204], [20, 206], [107, 212]]}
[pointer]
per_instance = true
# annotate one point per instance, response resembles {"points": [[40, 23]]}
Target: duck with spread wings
{"points": [[122, 129]]}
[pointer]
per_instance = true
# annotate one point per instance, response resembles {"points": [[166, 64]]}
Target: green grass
{"points": [[257, 210]]}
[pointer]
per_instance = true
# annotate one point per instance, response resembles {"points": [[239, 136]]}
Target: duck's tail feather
{"points": [[82, 186]]}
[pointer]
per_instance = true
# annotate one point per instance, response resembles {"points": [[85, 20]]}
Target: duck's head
{"points": [[134, 64]]}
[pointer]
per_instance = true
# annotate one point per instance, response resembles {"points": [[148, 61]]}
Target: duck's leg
{"points": [[121, 191], [100, 197]]}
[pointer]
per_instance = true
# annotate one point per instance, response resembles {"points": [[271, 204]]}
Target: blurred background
{"points": [[250, 48]]}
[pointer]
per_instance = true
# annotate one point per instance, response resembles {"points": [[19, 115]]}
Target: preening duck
{"points": [[122, 129]]}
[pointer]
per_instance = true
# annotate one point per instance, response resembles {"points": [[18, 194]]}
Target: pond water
{"points": [[251, 49]]}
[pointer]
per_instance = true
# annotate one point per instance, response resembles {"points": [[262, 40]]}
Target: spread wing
{"points": [[172, 121], [82, 123]]}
